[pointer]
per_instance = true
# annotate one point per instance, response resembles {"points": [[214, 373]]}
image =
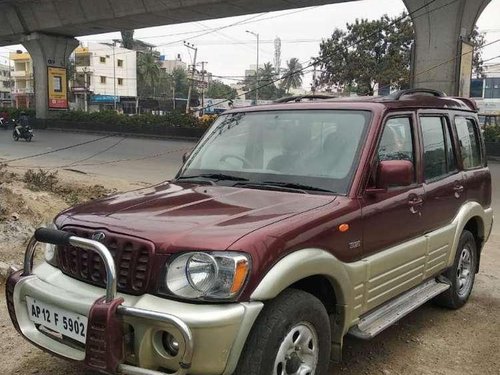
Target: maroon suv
{"points": [[288, 227]]}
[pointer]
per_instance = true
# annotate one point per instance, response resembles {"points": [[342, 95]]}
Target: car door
{"points": [[443, 185], [393, 245]]}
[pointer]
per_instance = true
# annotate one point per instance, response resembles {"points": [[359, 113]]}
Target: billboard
{"points": [[58, 88]]}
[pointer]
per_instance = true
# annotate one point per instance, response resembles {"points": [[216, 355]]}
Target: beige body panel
{"points": [[363, 285], [219, 330]]}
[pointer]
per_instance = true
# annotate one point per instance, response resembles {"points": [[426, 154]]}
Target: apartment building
{"points": [[5, 84], [105, 78], [22, 89]]}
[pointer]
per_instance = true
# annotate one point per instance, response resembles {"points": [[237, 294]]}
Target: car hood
{"points": [[180, 217]]}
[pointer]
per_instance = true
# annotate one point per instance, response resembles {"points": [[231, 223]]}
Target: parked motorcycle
{"points": [[24, 132]]}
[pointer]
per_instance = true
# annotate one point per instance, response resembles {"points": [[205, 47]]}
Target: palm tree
{"points": [[148, 70], [266, 73], [292, 78]]}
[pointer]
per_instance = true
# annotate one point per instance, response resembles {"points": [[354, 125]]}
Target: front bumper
{"points": [[125, 332]]}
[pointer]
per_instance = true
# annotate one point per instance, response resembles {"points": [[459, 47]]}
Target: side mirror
{"points": [[392, 173], [185, 157]]}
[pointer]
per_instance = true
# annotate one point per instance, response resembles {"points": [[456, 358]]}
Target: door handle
{"points": [[458, 189], [415, 202]]}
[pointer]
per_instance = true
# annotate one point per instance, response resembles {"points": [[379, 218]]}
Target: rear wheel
{"points": [[462, 274], [290, 337]]}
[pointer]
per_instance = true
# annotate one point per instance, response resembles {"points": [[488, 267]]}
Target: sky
{"points": [[230, 49]]}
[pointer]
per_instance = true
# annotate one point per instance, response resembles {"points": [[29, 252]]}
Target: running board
{"points": [[385, 316]]}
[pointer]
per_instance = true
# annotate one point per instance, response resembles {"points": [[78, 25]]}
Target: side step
{"points": [[389, 313]]}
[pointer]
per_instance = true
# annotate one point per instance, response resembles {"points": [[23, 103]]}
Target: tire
{"points": [[461, 275], [291, 319], [16, 138], [28, 139]]}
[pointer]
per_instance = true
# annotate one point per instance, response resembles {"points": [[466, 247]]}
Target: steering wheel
{"points": [[245, 162]]}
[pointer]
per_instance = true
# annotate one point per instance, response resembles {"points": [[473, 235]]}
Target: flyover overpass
{"points": [[47, 29]]}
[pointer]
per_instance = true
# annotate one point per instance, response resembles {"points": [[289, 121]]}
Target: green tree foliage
{"points": [[181, 82], [478, 40], [218, 89], [267, 87], [148, 74], [369, 52], [292, 77]]}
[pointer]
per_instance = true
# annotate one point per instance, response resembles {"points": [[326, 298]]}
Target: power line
{"points": [[310, 65]]}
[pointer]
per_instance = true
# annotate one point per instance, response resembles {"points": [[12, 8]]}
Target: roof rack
{"points": [[399, 94], [299, 98]]}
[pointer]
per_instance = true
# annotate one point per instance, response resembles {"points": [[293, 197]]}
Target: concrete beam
{"points": [[45, 51], [439, 31]]}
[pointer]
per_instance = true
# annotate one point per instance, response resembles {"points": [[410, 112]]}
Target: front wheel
{"points": [[28, 138], [290, 337], [15, 136], [461, 274]]}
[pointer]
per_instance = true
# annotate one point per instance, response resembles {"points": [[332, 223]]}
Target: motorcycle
{"points": [[24, 132], [4, 123]]}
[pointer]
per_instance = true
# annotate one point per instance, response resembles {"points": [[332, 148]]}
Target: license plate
{"points": [[56, 319]]}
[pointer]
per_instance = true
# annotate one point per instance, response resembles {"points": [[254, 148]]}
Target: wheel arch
{"points": [[318, 272]]}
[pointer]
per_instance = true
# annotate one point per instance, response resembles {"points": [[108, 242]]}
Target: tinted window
{"points": [[450, 154], [469, 142], [434, 147], [397, 140]]}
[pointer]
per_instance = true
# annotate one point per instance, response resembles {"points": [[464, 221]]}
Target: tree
{"points": [[148, 74], [181, 82], [478, 40], [369, 52], [292, 78], [267, 86], [219, 90]]}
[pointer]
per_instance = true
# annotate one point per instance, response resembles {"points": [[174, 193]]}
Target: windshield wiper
{"points": [[283, 186], [214, 176], [293, 185]]}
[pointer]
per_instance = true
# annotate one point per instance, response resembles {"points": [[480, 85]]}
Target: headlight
{"points": [[207, 276]]}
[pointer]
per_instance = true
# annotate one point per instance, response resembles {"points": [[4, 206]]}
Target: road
{"points": [[429, 341], [132, 159]]}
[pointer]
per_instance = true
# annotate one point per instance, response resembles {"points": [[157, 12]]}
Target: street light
{"points": [[257, 68]]}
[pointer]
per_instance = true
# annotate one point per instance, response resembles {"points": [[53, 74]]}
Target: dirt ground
{"points": [[431, 340]]}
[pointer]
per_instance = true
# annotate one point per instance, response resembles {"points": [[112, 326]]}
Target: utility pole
{"points": [[203, 85], [257, 68], [313, 86], [192, 47], [114, 76]]}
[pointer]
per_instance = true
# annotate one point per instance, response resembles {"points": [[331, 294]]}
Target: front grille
{"points": [[132, 260]]}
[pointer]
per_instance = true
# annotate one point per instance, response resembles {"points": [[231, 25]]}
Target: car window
{"points": [[397, 140], [313, 147], [468, 139], [435, 152]]}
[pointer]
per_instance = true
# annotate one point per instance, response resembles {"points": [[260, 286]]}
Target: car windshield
{"points": [[315, 151]]}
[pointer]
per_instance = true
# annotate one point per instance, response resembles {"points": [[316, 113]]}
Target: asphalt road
{"points": [[132, 159]]}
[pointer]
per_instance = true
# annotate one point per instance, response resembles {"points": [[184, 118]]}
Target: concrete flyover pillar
{"points": [[47, 51], [440, 28]]}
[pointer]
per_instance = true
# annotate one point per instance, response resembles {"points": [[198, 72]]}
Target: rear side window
{"points": [[468, 140], [439, 157]]}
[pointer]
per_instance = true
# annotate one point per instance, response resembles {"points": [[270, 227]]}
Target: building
{"points": [[22, 90], [486, 90], [105, 78], [5, 85], [170, 65]]}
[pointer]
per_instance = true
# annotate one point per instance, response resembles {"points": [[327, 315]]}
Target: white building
{"points": [[5, 84], [170, 65], [106, 76]]}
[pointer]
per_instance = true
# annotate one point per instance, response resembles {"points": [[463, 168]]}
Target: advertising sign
{"points": [[58, 88]]}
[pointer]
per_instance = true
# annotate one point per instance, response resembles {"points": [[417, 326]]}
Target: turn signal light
{"points": [[343, 228]]}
